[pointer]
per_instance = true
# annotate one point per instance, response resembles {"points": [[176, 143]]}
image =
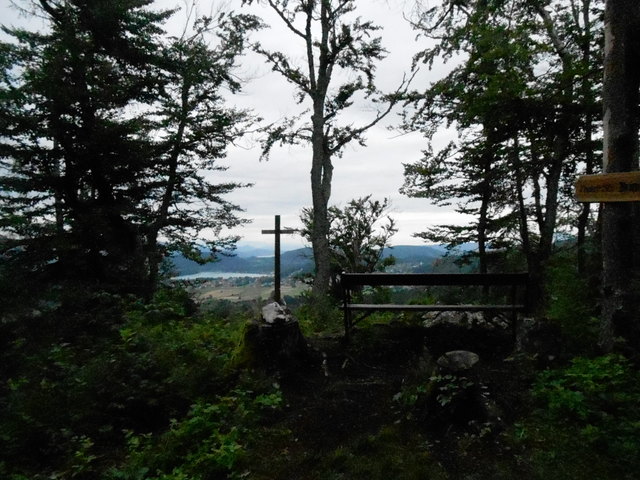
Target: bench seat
{"points": [[434, 308], [351, 282]]}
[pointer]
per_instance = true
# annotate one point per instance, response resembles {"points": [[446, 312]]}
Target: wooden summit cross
{"points": [[276, 267]]}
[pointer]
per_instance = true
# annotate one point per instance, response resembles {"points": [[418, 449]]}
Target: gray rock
{"points": [[276, 314], [273, 342], [466, 320], [458, 360]]}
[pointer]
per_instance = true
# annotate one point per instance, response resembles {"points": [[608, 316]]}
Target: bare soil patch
{"points": [[343, 417]]}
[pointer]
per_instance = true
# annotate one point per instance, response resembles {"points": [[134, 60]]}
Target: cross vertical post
{"points": [[276, 264], [276, 267]]}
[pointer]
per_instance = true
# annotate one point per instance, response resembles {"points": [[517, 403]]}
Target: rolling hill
{"points": [[409, 258]]}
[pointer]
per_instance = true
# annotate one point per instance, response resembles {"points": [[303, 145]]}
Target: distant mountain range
{"points": [[248, 251], [409, 258], [292, 261]]}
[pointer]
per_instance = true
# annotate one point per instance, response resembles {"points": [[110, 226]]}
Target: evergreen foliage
{"points": [[108, 127]]}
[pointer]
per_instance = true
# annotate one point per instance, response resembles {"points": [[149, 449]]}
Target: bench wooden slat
{"points": [[433, 279], [433, 308]]}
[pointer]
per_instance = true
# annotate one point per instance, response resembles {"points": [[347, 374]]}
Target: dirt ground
{"points": [[361, 411]]}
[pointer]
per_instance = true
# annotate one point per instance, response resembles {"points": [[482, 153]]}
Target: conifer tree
{"points": [[108, 130]]}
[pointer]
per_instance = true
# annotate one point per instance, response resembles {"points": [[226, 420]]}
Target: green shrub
{"points": [[207, 443], [588, 420], [319, 315], [389, 453], [67, 397], [572, 305]]}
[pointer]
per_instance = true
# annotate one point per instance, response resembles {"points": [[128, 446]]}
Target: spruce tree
{"points": [[109, 128]]}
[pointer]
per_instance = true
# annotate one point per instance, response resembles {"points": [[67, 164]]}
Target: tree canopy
{"points": [[110, 133], [524, 99], [335, 43], [359, 232]]}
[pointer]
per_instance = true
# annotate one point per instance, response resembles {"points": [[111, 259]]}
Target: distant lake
{"points": [[202, 275]]}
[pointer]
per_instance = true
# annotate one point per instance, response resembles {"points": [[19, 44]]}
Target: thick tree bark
{"points": [[621, 221]]}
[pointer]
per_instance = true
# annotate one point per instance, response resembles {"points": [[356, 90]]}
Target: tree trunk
{"points": [[485, 200], [523, 218], [321, 166], [561, 141], [321, 176], [583, 218], [587, 98], [153, 253], [621, 221]]}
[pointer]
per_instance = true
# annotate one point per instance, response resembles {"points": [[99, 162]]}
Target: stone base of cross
{"points": [[277, 231]]}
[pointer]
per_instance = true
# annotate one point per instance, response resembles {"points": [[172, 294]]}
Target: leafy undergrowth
{"points": [[151, 396], [365, 414], [587, 424]]}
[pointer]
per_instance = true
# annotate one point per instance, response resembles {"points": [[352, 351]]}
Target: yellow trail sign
{"points": [[609, 187]]}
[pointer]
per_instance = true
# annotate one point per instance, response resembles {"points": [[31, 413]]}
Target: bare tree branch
{"points": [[394, 98]]}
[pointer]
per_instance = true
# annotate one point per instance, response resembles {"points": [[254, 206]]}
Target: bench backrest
{"points": [[350, 280]]}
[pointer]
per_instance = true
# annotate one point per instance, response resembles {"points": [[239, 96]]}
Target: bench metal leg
{"points": [[347, 323]]}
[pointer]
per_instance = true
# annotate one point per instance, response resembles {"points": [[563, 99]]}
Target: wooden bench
{"points": [[353, 282]]}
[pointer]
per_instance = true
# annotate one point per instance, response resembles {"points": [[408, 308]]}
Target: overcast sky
{"points": [[282, 185]]}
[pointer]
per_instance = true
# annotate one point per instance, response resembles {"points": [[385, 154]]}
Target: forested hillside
{"points": [[118, 135], [407, 258], [292, 261]]}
